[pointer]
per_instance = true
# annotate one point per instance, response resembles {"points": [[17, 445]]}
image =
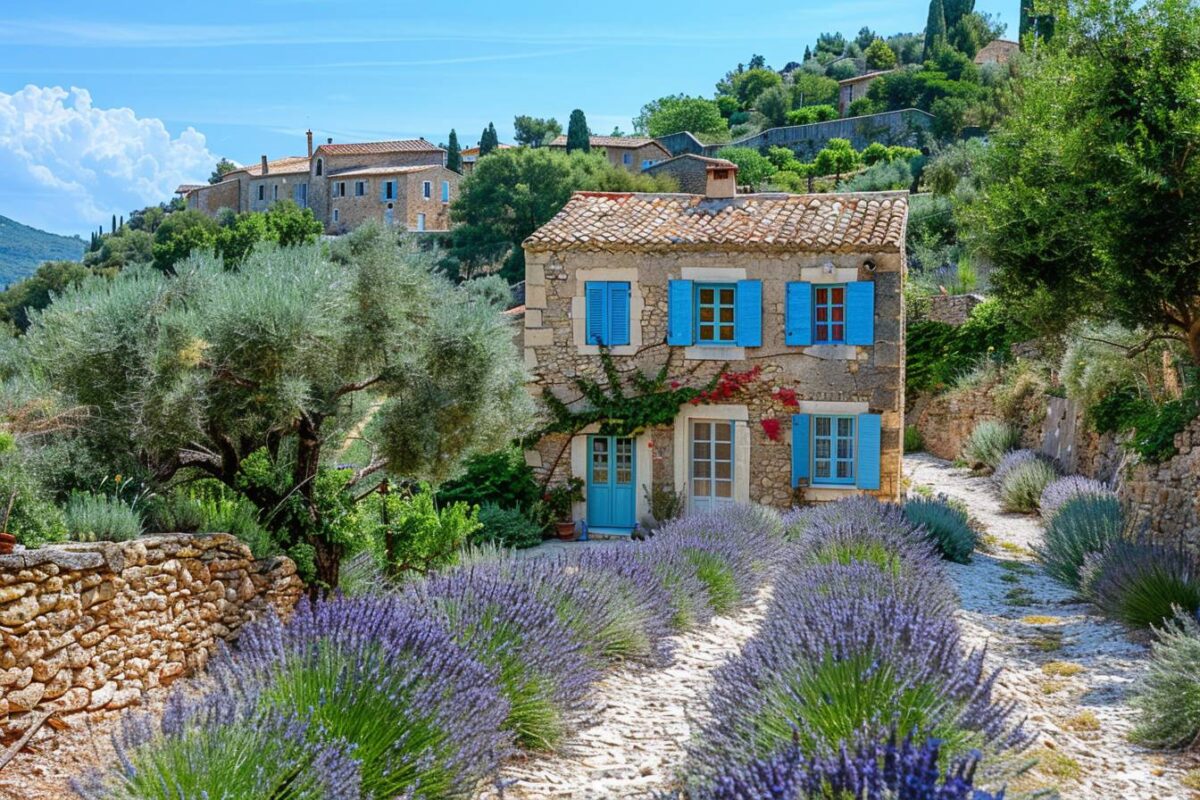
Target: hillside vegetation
{"points": [[22, 248]]}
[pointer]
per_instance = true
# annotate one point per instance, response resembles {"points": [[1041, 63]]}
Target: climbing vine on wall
{"points": [[653, 400]]}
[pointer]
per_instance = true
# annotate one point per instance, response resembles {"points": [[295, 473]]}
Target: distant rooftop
{"points": [[609, 141], [368, 148], [384, 170], [866, 76], [866, 222]]}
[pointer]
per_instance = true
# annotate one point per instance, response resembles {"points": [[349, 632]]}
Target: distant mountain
{"points": [[23, 248]]}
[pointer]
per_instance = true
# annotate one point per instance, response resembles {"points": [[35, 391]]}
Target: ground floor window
{"points": [[711, 468], [335, 215], [833, 449]]}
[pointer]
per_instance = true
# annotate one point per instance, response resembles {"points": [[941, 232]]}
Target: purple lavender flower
{"points": [[1058, 492], [423, 716], [1011, 460], [870, 772]]}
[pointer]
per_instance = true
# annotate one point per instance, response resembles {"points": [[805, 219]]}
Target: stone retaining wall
{"points": [[92, 626], [952, 309]]}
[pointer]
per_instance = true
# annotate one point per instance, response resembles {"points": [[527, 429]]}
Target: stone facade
{"points": [[632, 153], [952, 309], [91, 626], [825, 378], [410, 207], [1164, 499], [852, 89], [689, 170]]}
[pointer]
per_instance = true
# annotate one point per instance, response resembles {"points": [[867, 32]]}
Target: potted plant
{"points": [[559, 500], [7, 540]]}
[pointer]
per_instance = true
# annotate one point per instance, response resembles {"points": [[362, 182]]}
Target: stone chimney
{"points": [[329, 140], [722, 181], [264, 165], [308, 133]]}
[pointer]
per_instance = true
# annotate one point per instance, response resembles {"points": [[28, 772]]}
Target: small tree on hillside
{"points": [[488, 141], [453, 153], [578, 135], [224, 166], [879, 56], [244, 376], [935, 27], [838, 156], [535, 131]]}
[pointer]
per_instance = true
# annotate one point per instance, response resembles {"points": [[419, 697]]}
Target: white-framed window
{"points": [[711, 461], [335, 215], [420, 222], [427, 189], [360, 188], [445, 191]]}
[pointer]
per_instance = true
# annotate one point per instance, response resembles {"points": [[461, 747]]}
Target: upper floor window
{"points": [[320, 167], [829, 314], [445, 191], [835, 313], [389, 190], [607, 310], [723, 314], [715, 322], [360, 188], [339, 189], [627, 159], [427, 189]]}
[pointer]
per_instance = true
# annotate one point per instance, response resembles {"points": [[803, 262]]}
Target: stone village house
{"points": [[402, 183], [631, 153], [805, 287]]}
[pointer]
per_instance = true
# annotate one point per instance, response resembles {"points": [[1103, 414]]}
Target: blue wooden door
{"points": [[610, 494]]}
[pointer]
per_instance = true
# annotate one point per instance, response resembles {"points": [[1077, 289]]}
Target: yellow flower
{"points": [[117, 479]]}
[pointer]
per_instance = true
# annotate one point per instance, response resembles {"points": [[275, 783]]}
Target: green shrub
{"points": [[100, 518], [238, 517], [1168, 697], [32, 517], [422, 537], [946, 525], [174, 512], [717, 577], [1083, 525], [505, 527], [502, 478], [988, 443], [913, 441], [1141, 584], [1023, 485]]}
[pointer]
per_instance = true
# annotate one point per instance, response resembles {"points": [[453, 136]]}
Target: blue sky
{"points": [[110, 103]]}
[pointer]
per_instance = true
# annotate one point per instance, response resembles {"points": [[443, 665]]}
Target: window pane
{"points": [[844, 449], [700, 468], [724, 451], [822, 334], [723, 470], [844, 469], [724, 431], [822, 314], [822, 295], [845, 427], [822, 469], [838, 334], [706, 333], [726, 296], [839, 313], [700, 450], [706, 296], [726, 314], [724, 489], [700, 488], [726, 333], [837, 295], [822, 448], [823, 426], [707, 314], [701, 430]]}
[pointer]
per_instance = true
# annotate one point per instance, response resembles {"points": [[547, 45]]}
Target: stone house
{"points": [[998, 51], [793, 300], [852, 89], [471, 155], [402, 183], [633, 153], [689, 170]]}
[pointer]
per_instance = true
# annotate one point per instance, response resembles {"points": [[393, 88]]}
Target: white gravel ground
{"points": [[1081, 720]]}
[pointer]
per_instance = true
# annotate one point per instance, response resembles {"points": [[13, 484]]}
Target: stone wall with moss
{"points": [[92, 626]]}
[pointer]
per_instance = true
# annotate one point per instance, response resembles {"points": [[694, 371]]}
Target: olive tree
{"points": [[247, 375]]}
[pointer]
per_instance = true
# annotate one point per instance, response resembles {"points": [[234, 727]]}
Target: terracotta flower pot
{"points": [[7, 542], [565, 530]]}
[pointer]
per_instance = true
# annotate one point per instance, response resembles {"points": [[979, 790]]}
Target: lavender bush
{"points": [[1059, 492], [1142, 585], [541, 664], [1011, 460], [1083, 525], [888, 771], [422, 715], [1022, 488], [945, 525], [223, 748]]}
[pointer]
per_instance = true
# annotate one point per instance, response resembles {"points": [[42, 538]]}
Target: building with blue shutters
{"points": [[805, 288]]}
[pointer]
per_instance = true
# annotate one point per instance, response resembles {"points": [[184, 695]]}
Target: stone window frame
{"points": [[579, 310], [739, 415], [830, 307], [822, 275], [713, 352], [335, 215], [427, 190]]}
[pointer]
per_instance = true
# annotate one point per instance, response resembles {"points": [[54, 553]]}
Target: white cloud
{"points": [[68, 166]]}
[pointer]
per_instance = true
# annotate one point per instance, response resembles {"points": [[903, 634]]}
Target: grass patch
{"points": [[1060, 766], [1191, 780], [1083, 721], [1054, 687], [1016, 549], [1047, 641], [1040, 619], [1019, 567], [1010, 577], [1062, 669], [922, 489], [1019, 596]]}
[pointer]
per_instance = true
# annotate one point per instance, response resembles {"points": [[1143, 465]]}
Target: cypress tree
{"points": [[453, 153], [114, 223], [935, 27], [488, 142], [577, 133], [121, 222], [807, 53]]}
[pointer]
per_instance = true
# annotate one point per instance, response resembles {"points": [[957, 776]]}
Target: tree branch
{"points": [[1141, 347], [370, 469], [356, 387]]}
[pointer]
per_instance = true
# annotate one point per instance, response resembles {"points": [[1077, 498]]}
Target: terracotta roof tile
{"points": [[365, 148], [384, 170], [853, 223], [609, 141], [289, 165]]}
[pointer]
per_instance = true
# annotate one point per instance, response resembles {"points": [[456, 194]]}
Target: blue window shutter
{"points": [[679, 313], [596, 295], [748, 314], [383, 190], [618, 313], [860, 312], [801, 427], [867, 455], [799, 325]]}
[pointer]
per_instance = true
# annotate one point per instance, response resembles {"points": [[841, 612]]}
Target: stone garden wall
{"points": [[952, 309], [91, 626]]}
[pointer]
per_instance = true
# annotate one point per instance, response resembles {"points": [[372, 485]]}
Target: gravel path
{"points": [[631, 744], [1069, 668]]}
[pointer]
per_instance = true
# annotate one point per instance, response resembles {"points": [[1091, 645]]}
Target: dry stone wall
{"points": [[92, 626]]}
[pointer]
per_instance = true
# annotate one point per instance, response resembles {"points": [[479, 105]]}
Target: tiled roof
{"points": [[866, 222], [367, 148], [473, 152], [184, 188], [609, 141], [868, 76], [288, 165], [997, 51], [349, 173], [708, 160]]}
